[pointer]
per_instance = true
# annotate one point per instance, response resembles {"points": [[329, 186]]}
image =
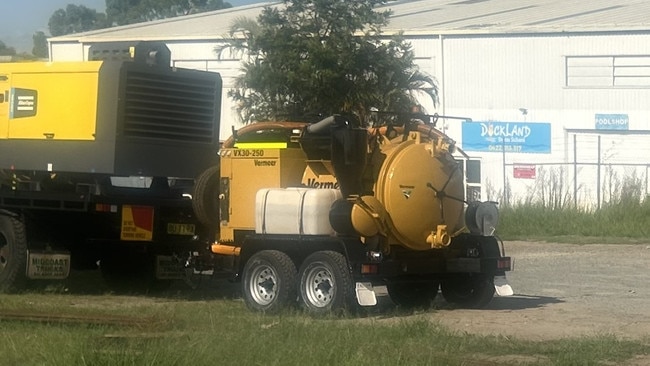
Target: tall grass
{"points": [[549, 210], [224, 332]]}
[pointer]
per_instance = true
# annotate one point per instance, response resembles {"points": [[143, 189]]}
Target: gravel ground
{"points": [[566, 290]]}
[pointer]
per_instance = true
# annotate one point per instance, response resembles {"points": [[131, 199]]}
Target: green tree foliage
{"points": [[75, 19], [6, 50], [40, 45], [323, 57], [134, 11]]}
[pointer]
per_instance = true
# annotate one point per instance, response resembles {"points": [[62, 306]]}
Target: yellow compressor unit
{"points": [[124, 112]]}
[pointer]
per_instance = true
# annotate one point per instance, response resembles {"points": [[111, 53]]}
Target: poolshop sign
{"points": [[519, 137], [612, 121]]}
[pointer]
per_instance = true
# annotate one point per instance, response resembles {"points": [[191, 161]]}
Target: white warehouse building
{"points": [[558, 92]]}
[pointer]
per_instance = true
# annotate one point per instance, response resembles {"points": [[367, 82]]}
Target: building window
{"points": [[629, 71]]}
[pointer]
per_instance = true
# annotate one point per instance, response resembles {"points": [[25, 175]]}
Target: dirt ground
{"points": [[561, 291], [566, 290]]}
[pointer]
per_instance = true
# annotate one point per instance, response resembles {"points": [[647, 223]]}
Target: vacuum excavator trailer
{"points": [[97, 164], [333, 215]]}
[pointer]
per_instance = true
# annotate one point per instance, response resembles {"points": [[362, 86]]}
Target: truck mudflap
{"points": [[169, 267], [48, 265], [502, 287], [367, 294]]}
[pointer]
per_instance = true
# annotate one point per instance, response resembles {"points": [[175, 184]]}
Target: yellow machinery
{"points": [[98, 161], [331, 212], [125, 112], [35, 90]]}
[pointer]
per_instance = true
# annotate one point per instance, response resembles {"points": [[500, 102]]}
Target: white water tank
{"points": [[299, 211]]}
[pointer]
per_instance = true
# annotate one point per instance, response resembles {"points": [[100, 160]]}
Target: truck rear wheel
{"points": [[472, 291], [325, 283], [269, 283], [13, 254]]}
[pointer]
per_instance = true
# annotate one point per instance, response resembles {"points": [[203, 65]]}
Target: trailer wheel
{"points": [[413, 295], [269, 283], [325, 283], [13, 254], [205, 200], [472, 291]]}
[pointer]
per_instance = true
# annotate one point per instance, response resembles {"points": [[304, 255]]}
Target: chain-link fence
{"points": [[597, 169]]}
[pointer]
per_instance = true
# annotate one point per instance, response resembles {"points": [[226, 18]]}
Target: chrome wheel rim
{"points": [[263, 285], [319, 286]]}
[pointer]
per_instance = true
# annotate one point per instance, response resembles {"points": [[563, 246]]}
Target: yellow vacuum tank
{"points": [[420, 190]]}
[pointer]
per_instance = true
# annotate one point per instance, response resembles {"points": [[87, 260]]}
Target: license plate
{"points": [[180, 229]]}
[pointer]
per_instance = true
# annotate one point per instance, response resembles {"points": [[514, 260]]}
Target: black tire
{"points": [[205, 200], [269, 283], [325, 283], [413, 295], [13, 254], [472, 291]]}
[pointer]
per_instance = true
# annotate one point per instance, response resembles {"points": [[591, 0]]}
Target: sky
{"points": [[22, 18]]}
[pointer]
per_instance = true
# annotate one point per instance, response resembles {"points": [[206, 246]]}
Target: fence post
{"points": [[575, 171], [505, 185], [598, 174]]}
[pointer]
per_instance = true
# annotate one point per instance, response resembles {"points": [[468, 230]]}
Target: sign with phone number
{"points": [[514, 137]]}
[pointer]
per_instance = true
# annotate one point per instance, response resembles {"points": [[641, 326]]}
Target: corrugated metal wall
{"points": [[496, 78]]}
